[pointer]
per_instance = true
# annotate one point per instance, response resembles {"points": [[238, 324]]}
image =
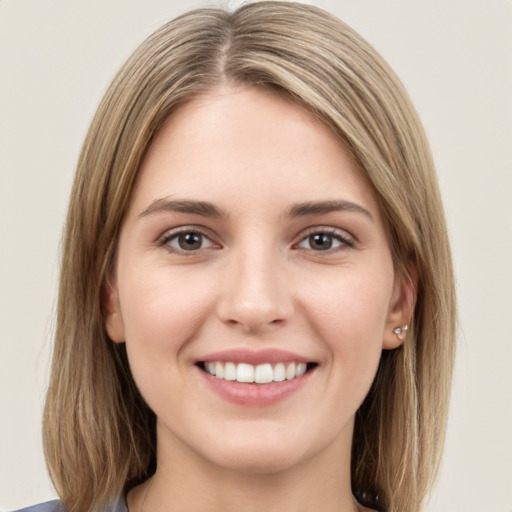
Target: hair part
{"points": [[99, 434]]}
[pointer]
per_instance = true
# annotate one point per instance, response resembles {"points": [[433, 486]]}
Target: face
{"points": [[252, 250]]}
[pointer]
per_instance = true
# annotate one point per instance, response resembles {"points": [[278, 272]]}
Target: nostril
{"points": [[253, 309], [254, 324]]}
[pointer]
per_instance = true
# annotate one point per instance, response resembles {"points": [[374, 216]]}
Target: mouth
{"points": [[265, 373], [256, 378]]}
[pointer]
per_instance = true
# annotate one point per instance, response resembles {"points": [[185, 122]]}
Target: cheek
{"points": [[162, 311], [348, 313]]}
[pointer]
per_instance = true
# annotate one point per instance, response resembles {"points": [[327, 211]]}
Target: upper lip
{"points": [[254, 357]]}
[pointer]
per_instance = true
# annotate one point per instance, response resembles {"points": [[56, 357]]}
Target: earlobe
{"points": [[401, 310], [401, 332], [113, 318]]}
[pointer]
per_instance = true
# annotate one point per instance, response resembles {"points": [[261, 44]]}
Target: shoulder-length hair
{"points": [[99, 434]]}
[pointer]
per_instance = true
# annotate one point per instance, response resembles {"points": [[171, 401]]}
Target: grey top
{"points": [[55, 506]]}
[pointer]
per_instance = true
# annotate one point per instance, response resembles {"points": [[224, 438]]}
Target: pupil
{"points": [[190, 241], [321, 241]]}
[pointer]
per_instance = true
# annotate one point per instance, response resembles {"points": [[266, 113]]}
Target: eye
{"points": [[325, 240], [186, 241]]}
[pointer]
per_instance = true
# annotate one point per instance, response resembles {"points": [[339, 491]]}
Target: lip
{"points": [[252, 394], [254, 357]]}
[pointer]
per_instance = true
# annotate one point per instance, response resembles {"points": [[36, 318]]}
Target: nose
{"points": [[255, 295]]}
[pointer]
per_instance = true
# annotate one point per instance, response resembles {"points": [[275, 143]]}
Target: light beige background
{"points": [[455, 57]]}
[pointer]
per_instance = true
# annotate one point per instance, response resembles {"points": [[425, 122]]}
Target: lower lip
{"points": [[255, 395]]}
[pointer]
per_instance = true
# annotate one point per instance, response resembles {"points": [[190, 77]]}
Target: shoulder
{"points": [[56, 506], [49, 506]]}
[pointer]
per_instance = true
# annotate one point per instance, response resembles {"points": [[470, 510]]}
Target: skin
{"points": [[256, 281]]}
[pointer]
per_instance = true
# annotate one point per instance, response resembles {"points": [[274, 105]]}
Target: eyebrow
{"points": [[203, 208], [207, 209], [324, 207]]}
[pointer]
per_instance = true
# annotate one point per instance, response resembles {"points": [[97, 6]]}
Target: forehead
{"points": [[248, 147]]}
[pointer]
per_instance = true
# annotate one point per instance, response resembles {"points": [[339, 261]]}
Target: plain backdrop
{"points": [[455, 57]]}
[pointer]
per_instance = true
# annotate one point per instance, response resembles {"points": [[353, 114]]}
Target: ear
{"points": [[401, 307], [113, 318]]}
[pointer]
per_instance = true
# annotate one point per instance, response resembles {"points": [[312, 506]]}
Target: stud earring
{"points": [[401, 332]]}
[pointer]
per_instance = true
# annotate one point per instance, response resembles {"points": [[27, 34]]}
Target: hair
{"points": [[99, 434]]}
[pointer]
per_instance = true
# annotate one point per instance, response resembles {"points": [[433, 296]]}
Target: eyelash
{"points": [[164, 241], [346, 241]]}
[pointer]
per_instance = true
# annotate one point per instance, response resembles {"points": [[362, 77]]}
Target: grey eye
{"points": [[320, 241], [188, 241], [323, 241]]}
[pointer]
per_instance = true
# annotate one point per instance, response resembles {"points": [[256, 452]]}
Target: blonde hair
{"points": [[99, 435]]}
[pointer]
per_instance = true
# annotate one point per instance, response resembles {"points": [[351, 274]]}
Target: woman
{"points": [[256, 308]]}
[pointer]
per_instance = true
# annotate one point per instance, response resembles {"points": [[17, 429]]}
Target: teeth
{"points": [[261, 374], [290, 371], [210, 368], [244, 372], [219, 370], [300, 370], [230, 371], [279, 372]]}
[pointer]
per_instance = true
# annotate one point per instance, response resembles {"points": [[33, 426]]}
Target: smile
{"points": [[255, 378], [260, 374]]}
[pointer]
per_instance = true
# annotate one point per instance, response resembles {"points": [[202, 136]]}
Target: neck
{"points": [[186, 481]]}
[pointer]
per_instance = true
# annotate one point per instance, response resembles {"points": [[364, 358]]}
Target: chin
{"points": [[259, 462], [261, 455]]}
